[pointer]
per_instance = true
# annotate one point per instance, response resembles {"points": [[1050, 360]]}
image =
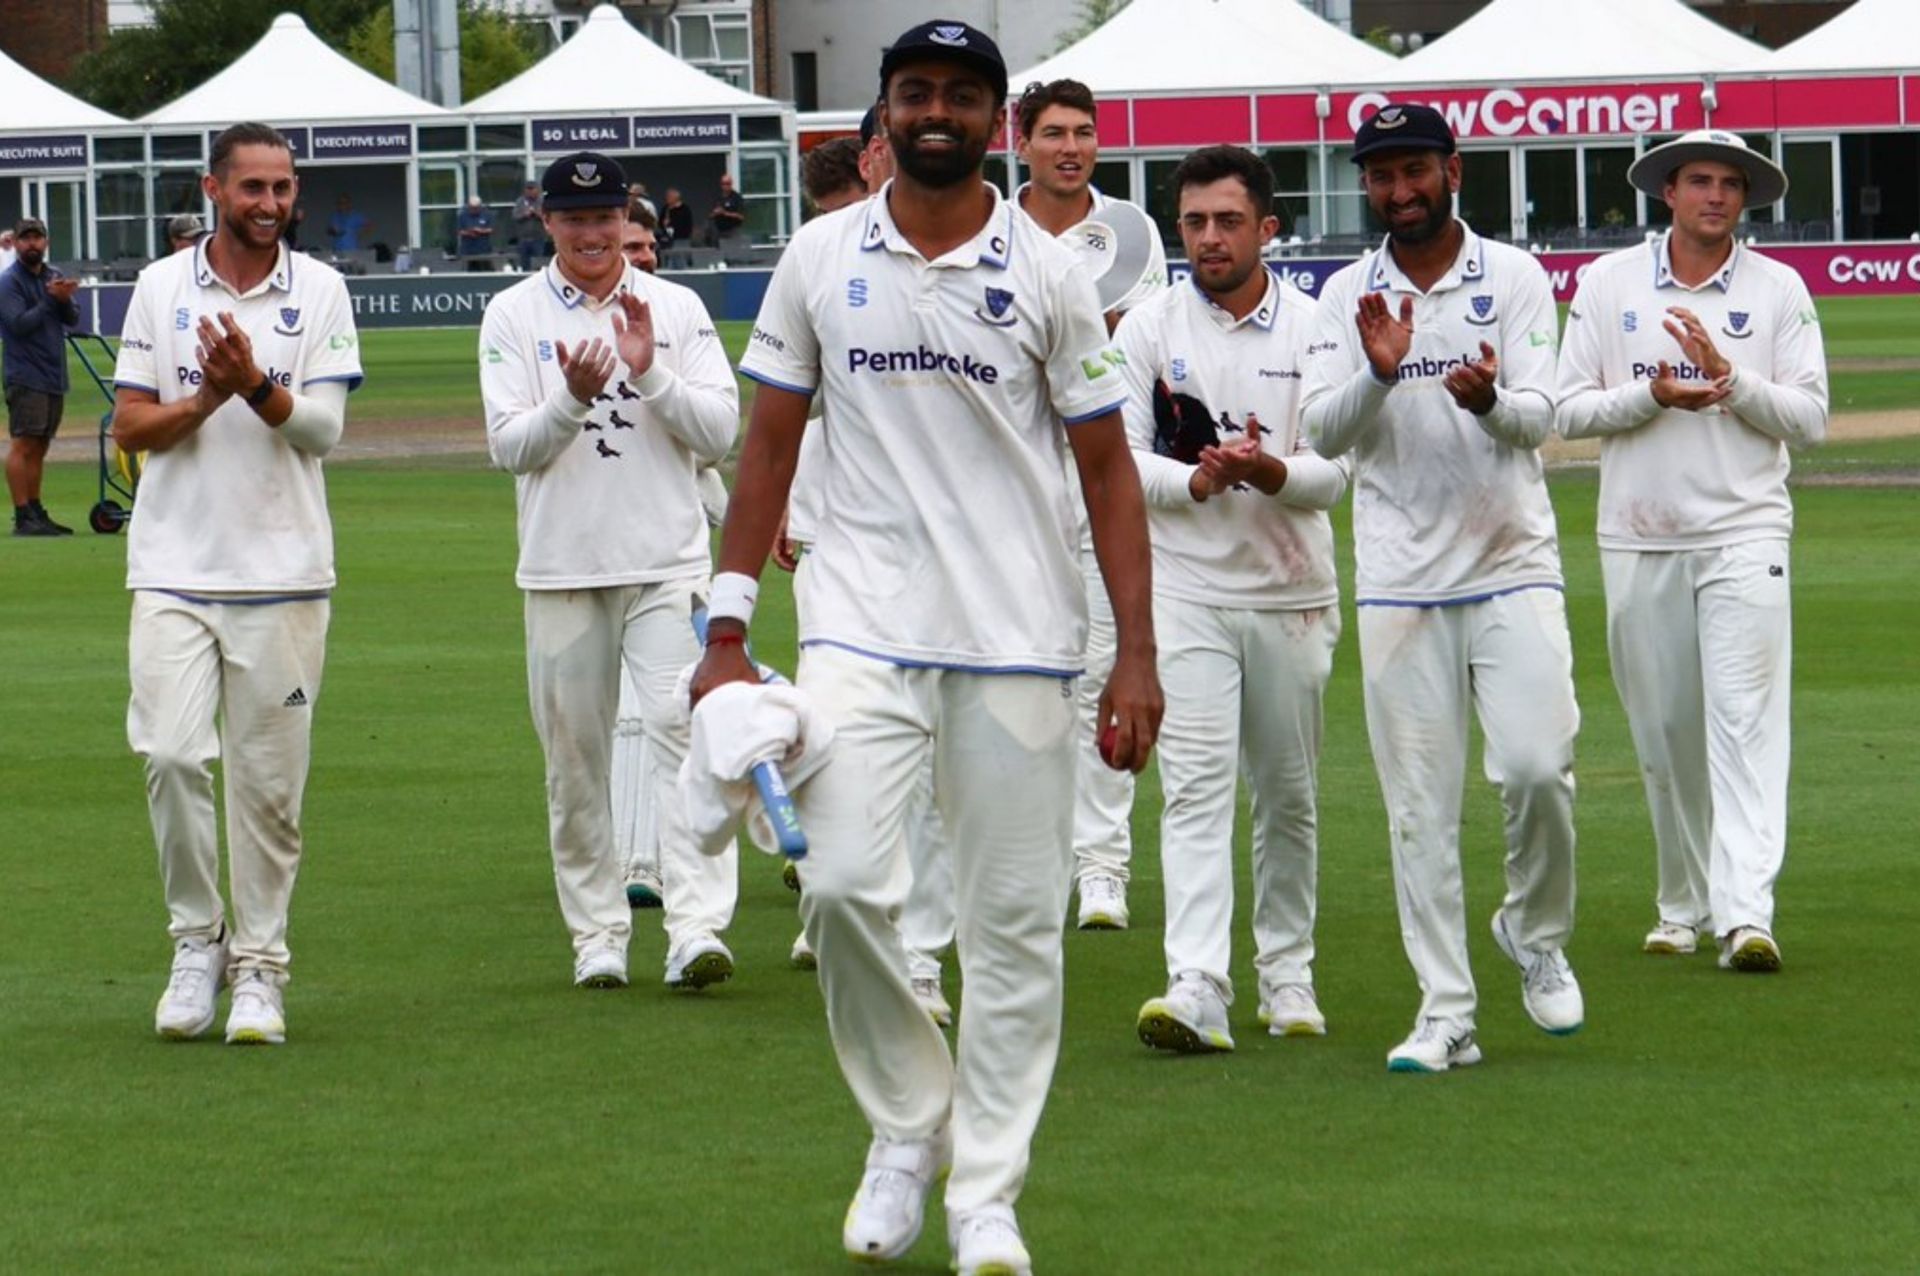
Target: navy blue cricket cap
{"points": [[584, 179], [869, 125], [1402, 126], [949, 41]]}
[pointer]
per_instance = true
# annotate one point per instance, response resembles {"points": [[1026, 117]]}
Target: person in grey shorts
{"points": [[36, 309]]}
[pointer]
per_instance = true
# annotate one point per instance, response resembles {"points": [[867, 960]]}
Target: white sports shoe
{"points": [[1750, 950], [1547, 987], [698, 962], [604, 966], [643, 887], [1435, 1046], [800, 956], [257, 1016], [1103, 902], [1291, 1010], [927, 992], [986, 1242], [1670, 939], [884, 1218], [1190, 1019], [186, 1007]]}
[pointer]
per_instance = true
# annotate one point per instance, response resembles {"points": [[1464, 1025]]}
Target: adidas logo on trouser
{"points": [[298, 700]]}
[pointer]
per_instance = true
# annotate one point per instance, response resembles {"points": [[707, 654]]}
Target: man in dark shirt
{"points": [[729, 213], [476, 231], [36, 309], [677, 218]]}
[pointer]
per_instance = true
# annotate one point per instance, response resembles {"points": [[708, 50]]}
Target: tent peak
{"points": [[288, 22]]}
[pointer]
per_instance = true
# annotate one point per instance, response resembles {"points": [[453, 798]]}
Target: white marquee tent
{"points": [[1532, 41], [608, 65], [1193, 46], [291, 75], [32, 103], [1868, 35]]}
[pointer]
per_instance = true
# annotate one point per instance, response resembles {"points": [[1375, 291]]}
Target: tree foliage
{"points": [[1089, 17], [141, 68]]}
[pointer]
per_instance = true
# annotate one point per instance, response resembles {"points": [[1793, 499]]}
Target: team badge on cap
{"points": [[586, 174], [1390, 118], [584, 179], [953, 35]]}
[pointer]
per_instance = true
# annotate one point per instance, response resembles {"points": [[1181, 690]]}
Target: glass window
{"points": [[1114, 177], [121, 238], [119, 150], [179, 146], [1611, 206], [501, 180], [761, 128], [1161, 201], [442, 191], [1809, 168], [177, 190], [696, 37], [443, 137], [734, 42], [1486, 192], [763, 184], [1342, 214], [500, 137], [120, 193], [1551, 193]]}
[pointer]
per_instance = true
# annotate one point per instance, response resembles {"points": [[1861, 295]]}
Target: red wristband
{"points": [[726, 640]]}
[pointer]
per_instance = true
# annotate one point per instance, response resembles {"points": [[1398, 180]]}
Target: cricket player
{"points": [[1056, 137], [951, 339], [1433, 364], [605, 389], [636, 833], [1245, 600], [1698, 363], [234, 367]]}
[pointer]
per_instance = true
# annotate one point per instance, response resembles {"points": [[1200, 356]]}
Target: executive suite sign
{"points": [[663, 132], [362, 141], [19, 154]]}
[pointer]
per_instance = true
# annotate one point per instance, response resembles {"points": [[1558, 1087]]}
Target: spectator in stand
{"points": [[729, 213], [475, 229], [346, 228], [529, 232], [677, 218], [637, 194], [184, 231]]}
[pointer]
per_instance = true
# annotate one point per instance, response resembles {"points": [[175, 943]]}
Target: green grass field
{"points": [[449, 1103], [428, 373]]}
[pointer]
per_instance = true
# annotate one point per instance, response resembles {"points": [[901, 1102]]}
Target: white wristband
{"points": [[734, 594]]}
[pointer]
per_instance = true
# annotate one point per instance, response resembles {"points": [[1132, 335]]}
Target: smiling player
{"points": [[1433, 364], [1698, 363], [605, 388], [1056, 136], [944, 615], [233, 373]]}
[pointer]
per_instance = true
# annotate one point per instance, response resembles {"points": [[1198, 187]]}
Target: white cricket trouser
{"points": [[636, 838], [1510, 658], [255, 669], [1243, 688], [1102, 796], [1002, 747], [1702, 649], [577, 641], [927, 916]]}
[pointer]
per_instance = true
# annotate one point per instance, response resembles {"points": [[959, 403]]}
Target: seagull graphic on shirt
{"points": [[600, 446]]}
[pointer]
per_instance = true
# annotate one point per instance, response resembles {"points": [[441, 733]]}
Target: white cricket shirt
{"points": [[1448, 507], [1241, 548], [606, 491], [1672, 479], [235, 507], [949, 537]]}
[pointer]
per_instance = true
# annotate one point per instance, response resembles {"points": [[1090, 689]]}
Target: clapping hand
{"points": [[586, 367], [633, 334], [225, 355], [1475, 386], [1385, 338]]}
